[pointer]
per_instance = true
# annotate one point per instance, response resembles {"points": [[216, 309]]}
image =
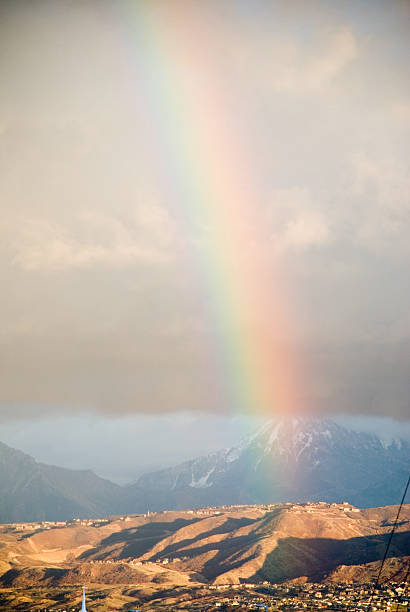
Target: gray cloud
{"points": [[102, 253]]}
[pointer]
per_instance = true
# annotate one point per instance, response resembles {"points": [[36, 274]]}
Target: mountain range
{"points": [[288, 460], [294, 460], [33, 491]]}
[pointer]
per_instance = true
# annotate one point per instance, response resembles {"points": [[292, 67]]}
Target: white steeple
{"points": [[83, 608]]}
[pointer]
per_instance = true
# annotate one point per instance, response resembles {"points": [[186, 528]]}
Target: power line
{"points": [[388, 545]]}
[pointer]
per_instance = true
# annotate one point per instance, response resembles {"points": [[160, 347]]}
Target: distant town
{"points": [[269, 597], [213, 558], [309, 507]]}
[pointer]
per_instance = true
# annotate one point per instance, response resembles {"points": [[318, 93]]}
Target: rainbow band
{"points": [[201, 154]]}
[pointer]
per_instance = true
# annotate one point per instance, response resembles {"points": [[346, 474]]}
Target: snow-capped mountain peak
{"points": [[292, 459], [293, 437]]}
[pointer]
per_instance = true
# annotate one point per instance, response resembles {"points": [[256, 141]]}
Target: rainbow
{"points": [[203, 155]]}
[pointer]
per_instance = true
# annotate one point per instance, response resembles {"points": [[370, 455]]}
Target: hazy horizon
{"points": [[124, 449]]}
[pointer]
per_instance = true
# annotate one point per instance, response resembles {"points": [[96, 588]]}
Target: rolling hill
{"points": [[227, 545]]}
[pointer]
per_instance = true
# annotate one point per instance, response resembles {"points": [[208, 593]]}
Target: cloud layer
{"points": [[105, 306]]}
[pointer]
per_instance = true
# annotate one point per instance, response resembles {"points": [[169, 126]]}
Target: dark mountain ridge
{"points": [[33, 491], [294, 460]]}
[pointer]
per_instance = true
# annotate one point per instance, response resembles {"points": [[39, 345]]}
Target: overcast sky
{"points": [[148, 151]]}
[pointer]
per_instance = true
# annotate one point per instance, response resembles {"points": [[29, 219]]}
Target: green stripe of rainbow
{"points": [[206, 163]]}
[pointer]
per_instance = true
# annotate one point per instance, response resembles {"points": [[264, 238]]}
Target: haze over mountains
{"points": [[32, 491], [290, 460]]}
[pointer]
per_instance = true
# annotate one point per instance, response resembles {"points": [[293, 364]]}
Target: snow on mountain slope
{"points": [[290, 460]]}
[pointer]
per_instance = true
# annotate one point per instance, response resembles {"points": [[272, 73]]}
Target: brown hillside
{"points": [[316, 542]]}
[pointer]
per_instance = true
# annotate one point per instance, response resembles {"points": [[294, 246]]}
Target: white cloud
{"points": [[91, 238], [381, 189], [341, 50], [297, 221], [294, 67], [307, 229], [372, 210]]}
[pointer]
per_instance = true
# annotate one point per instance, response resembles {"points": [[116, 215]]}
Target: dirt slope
{"points": [[315, 542]]}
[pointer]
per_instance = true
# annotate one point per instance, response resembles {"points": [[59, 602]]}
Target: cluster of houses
{"points": [[309, 597], [309, 507]]}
